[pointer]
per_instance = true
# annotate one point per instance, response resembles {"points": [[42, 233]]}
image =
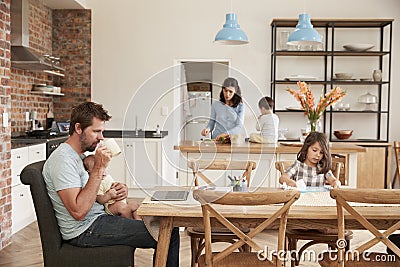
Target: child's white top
{"points": [[268, 124]]}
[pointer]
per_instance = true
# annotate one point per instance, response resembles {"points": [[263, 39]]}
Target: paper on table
{"points": [[301, 185]]}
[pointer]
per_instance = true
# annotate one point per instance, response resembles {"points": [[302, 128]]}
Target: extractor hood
{"points": [[23, 57]]}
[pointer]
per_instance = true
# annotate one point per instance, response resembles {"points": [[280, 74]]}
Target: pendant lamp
{"points": [[304, 34], [231, 34]]}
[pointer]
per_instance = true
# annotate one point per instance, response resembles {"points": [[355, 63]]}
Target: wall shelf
{"points": [[46, 93], [325, 62]]}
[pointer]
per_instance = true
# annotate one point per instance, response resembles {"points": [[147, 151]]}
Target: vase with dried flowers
{"points": [[307, 101]]}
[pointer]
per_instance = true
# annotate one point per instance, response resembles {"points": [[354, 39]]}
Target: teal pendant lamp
{"points": [[304, 34], [231, 34]]}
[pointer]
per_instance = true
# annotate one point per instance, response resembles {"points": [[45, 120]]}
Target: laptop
{"points": [[172, 195]]}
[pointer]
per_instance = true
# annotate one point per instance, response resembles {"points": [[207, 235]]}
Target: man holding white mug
{"points": [[73, 191]]}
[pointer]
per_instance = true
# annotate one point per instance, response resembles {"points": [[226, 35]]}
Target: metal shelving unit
{"points": [[329, 56]]}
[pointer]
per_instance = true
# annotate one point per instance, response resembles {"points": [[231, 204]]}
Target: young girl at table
{"points": [[313, 164]]}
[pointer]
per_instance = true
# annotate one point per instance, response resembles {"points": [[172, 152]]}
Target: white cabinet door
{"points": [[19, 159], [143, 163], [23, 212], [37, 153]]}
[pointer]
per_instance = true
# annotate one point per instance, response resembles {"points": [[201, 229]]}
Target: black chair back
{"points": [[56, 252]]}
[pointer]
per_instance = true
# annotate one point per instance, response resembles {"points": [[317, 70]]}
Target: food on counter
{"points": [[224, 140]]}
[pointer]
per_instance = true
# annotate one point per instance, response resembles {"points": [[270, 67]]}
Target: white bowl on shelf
{"points": [[358, 47]]}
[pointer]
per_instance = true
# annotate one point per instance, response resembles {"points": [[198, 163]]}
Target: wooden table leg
{"points": [[164, 237]]}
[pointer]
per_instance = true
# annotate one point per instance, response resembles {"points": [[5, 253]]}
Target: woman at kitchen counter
{"points": [[227, 114]]}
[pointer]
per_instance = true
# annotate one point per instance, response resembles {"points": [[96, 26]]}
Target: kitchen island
{"points": [[265, 156]]}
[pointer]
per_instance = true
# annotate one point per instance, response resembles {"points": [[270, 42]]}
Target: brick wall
{"points": [[22, 101], [62, 33], [72, 42], [5, 132]]}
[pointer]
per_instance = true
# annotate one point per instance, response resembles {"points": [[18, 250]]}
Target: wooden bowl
{"points": [[343, 134]]}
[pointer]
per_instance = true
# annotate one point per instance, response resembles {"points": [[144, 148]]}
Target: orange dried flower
{"points": [[307, 101]]}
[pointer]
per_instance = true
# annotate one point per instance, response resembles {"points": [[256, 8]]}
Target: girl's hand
{"points": [[205, 132], [336, 183]]}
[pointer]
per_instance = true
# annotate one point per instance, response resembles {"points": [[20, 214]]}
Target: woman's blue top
{"points": [[225, 119]]}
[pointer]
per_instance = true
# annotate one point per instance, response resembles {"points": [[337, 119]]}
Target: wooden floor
{"points": [[25, 249]]}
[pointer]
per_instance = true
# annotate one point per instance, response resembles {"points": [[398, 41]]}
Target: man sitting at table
{"points": [[82, 221]]}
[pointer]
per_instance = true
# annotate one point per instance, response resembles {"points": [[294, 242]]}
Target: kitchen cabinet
{"points": [[317, 66], [23, 212], [374, 166], [141, 165]]}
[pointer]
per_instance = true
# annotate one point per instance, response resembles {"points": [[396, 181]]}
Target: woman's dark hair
{"points": [[84, 114], [266, 102], [325, 163], [237, 97]]}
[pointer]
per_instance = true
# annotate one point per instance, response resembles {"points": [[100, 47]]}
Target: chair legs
{"points": [[197, 245], [293, 236]]}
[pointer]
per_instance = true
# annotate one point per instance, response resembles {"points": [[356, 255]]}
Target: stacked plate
{"points": [[358, 47], [42, 87]]}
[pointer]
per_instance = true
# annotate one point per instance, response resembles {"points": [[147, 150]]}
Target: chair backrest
{"points": [[396, 147], [281, 166], [208, 198], [49, 231], [198, 166], [373, 196]]}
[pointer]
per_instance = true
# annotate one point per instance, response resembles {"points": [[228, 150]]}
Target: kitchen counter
{"points": [[265, 156], [132, 134], [255, 148]]}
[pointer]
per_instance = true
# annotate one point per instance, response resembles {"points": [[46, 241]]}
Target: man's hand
{"points": [[102, 157], [121, 190]]}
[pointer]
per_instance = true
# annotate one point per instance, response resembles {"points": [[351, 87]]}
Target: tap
{"points": [[136, 129]]}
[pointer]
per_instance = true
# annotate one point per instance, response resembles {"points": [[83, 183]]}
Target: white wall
{"points": [[134, 40]]}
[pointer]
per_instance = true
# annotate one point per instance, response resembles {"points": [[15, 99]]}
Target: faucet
{"points": [[136, 129]]}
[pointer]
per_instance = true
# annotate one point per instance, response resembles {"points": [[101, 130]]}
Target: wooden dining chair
{"points": [[357, 257], [315, 236], [212, 204], [219, 234], [396, 147]]}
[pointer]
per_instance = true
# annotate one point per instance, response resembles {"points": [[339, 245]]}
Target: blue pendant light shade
{"points": [[304, 34], [231, 34]]}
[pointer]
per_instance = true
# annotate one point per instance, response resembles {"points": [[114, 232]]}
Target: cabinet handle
{"points": [[21, 195], [18, 157]]}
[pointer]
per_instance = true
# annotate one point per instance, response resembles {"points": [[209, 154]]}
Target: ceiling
{"points": [[65, 4]]}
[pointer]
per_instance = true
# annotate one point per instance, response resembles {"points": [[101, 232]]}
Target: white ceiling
{"points": [[65, 4]]}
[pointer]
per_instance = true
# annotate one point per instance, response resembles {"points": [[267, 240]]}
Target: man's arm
{"points": [[78, 201]]}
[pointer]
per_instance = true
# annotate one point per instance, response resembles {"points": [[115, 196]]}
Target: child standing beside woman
{"points": [[313, 164]]}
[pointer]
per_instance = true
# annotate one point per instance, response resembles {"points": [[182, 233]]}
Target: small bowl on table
{"points": [[343, 134]]}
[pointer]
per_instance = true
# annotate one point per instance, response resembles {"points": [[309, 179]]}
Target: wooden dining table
{"points": [[188, 214]]}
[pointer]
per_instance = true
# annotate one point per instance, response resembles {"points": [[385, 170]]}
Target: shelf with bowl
{"points": [[343, 44], [46, 93]]}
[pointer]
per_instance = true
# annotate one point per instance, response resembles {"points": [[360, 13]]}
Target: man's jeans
{"points": [[109, 230]]}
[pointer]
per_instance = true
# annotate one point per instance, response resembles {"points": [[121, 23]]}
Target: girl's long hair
{"points": [[237, 97], [325, 164]]}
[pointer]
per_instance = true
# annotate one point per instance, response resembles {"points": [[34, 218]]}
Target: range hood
{"points": [[23, 57]]}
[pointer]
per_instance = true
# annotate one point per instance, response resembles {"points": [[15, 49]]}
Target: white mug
{"points": [[112, 145]]}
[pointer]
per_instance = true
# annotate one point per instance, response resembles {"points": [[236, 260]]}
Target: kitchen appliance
{"points": [[200, 109]]}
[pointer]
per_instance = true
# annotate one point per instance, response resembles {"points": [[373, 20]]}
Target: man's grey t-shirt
{"points": [[64, 169]]}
